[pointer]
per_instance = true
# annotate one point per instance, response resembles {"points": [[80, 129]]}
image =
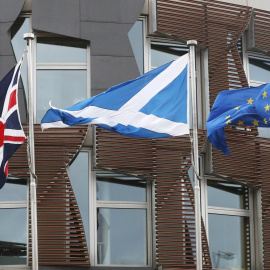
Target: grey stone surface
{"points": [[107, 71], [7, 62], [10, 9], [105, 23], [120, 11], [5, 44], [107, 38], [57, 16]]}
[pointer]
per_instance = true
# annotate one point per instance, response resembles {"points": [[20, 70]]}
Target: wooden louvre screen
{"points": [[61, 237], [218, 27], [165, 161]]}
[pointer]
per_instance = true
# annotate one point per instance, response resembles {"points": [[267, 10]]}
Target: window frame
{"points": [[94, 204], [19, 205], [57, 66], [253, 213], [246, 53]]}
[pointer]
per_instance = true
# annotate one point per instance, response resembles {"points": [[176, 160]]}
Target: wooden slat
{"points": [[61, 236]]}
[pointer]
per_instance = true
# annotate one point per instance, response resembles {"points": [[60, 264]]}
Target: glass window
{"points": [[228, 241], [15, 190], [121, 236], [122, 205], [60, 50], [112, 187], [136, 37], [223, 194], [13, 223], [229, 225], [61, 73], [13, 237], [62, 87], [164, 52], [259, 69], [79, 178], [116, 214]]}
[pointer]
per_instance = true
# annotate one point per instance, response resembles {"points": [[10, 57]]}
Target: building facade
{"points": [[105, 201]]}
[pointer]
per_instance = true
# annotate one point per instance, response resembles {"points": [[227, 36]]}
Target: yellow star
{"points": [[250, 101], [264, 94], [255, 123], [227, 116], [267, 107], [228, 122], [265, 121], [237, 108], [240, 123]]}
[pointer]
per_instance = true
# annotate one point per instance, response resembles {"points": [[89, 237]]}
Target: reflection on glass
{"points": [[79, 178], [224, 194], [13, 236], [163, 53], [228, 237], [136, 39], [112, 187], [60, 50], [63, 87], [15, 190], [121, 236], [259, 69]]}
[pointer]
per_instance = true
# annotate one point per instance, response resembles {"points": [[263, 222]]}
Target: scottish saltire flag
{"points": [[242, 107], [151, 106], [11, 132]]}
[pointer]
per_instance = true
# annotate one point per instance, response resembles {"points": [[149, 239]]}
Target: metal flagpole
{"points": [[192, 46], [33, 196]]}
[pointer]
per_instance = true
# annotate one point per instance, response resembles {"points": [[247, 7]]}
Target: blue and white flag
{"points": [[154, 105]]}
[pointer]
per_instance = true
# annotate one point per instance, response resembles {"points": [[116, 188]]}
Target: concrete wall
{"points": [[105, 23]]}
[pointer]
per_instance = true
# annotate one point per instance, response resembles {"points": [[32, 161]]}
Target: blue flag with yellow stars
{"points": [[243, 107]]}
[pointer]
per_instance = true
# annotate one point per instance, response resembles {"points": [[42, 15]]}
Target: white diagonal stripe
{"points": [[139, 100], [135, 119], [14, 132]]}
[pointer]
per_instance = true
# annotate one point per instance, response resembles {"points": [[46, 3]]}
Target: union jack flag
{"points": [[11, 132]]}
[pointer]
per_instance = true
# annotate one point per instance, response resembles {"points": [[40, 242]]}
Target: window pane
{"points": [[163, 53], [13, 236], [228, 242], [60, 50], [12, 191], [136, 39], [79, 177], [63, 87], [111, 187], [259, 69], [121, 237], [223, 194]]}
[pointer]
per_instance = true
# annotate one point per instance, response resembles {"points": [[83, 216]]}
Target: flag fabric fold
{"points": [[242, 107], [151, 106], [11, 132]]}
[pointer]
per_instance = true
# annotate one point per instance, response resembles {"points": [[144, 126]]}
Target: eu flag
{"points": [[242, 107]]}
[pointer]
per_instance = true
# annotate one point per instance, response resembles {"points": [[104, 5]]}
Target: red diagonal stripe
{"points": [[12, 99], [2, 130], [6, 169], [14, 139]]}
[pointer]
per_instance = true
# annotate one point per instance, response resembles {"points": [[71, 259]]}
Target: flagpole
{"points": [[33, 196], [192, 47]]}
